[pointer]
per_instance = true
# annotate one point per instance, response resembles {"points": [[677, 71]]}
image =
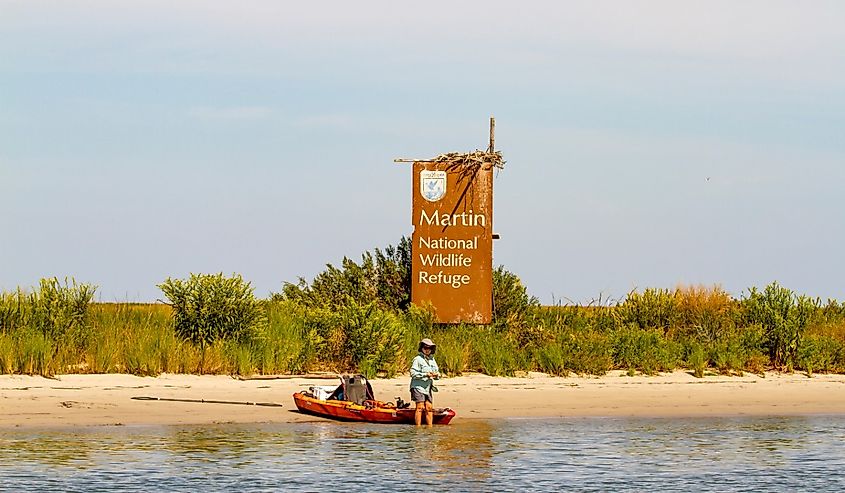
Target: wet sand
{"points": [[106, 400]]}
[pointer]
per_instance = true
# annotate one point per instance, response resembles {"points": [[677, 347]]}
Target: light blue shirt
{"points": [[420, 368]]}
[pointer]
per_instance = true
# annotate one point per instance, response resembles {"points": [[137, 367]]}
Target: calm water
{"points": [[597, 454]]}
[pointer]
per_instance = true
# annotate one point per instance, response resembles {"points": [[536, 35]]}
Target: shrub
{"points": [[820, 353], [210, 307], [707, 314], [783, 316], [654, 308], [697, 360], [528, 335], [382, 278], [645, 350], [588, 352], [511, 301], [728, 356], [373, 338]]}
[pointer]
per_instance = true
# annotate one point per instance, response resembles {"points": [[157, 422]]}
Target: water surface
{"points": [[585, 454]]}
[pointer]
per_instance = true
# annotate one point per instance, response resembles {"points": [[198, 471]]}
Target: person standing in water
{"points": [[424, 372]]}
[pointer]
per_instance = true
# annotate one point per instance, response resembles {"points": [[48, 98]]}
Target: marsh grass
{"points": [[292, 341], [492, 355], [53, 329], [454, 350], [131, 338], [7, 354], [241, 359], [551, 358], [35, 354]]}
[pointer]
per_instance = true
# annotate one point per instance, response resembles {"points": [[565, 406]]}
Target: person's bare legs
{"points": [[429, 413], [418, 413]]}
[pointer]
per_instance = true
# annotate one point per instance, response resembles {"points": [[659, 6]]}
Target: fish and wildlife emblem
{"points": [[432, 185]]}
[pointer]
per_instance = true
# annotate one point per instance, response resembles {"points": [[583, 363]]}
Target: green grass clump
{"points": [[454, 353], [492, 355], [35, 353], [551, 358], [696, 360], [131, 338]]}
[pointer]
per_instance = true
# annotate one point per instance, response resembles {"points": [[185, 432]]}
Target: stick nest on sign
{"points": [[471, 160]]}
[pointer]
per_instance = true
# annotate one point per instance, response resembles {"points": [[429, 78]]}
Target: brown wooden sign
{"points": [[452, 249]]}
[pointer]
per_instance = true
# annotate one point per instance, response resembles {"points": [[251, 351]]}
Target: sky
{"points": [[648, 143]]}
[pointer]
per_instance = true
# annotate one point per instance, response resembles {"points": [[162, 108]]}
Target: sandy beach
{"points": [[107, 400]]}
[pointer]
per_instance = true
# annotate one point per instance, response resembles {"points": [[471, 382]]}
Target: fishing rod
{"points": [[208, 401]]}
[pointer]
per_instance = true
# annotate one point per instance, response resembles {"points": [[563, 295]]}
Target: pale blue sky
{"points": [[648, 144]]}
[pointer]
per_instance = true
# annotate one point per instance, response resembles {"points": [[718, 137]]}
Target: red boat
{"points": [[353, 400]]}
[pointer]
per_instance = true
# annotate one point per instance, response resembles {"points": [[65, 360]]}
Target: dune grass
{"points": [[57, 329]]}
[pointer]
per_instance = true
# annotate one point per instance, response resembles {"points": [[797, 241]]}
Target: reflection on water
{"points": [[718, 454], [445, 453]]}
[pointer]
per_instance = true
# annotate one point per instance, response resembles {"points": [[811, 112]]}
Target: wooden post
{"points": [[492, 134]]}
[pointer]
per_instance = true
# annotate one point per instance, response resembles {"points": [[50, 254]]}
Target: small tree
{"points": [[208, 307]]}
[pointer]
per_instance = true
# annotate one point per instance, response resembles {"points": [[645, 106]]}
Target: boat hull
{"points": [[376, 412]]}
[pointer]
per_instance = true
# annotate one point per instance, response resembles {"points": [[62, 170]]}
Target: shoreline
{"points": [[106, 400]]}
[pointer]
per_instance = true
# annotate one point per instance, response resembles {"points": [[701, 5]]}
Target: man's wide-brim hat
{"points": [[427, 343]]}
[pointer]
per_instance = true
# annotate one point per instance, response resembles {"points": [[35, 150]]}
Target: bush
{"points": [[706, 314], [211, 307], [511, 301], [784, 318], [588, 352], [820, 353], [373, 338], [728, 356], [697, 360], [654, 308], [382, 278], [645, 350]]}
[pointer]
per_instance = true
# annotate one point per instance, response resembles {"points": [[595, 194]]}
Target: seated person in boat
{"points": [[424, 372]]}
